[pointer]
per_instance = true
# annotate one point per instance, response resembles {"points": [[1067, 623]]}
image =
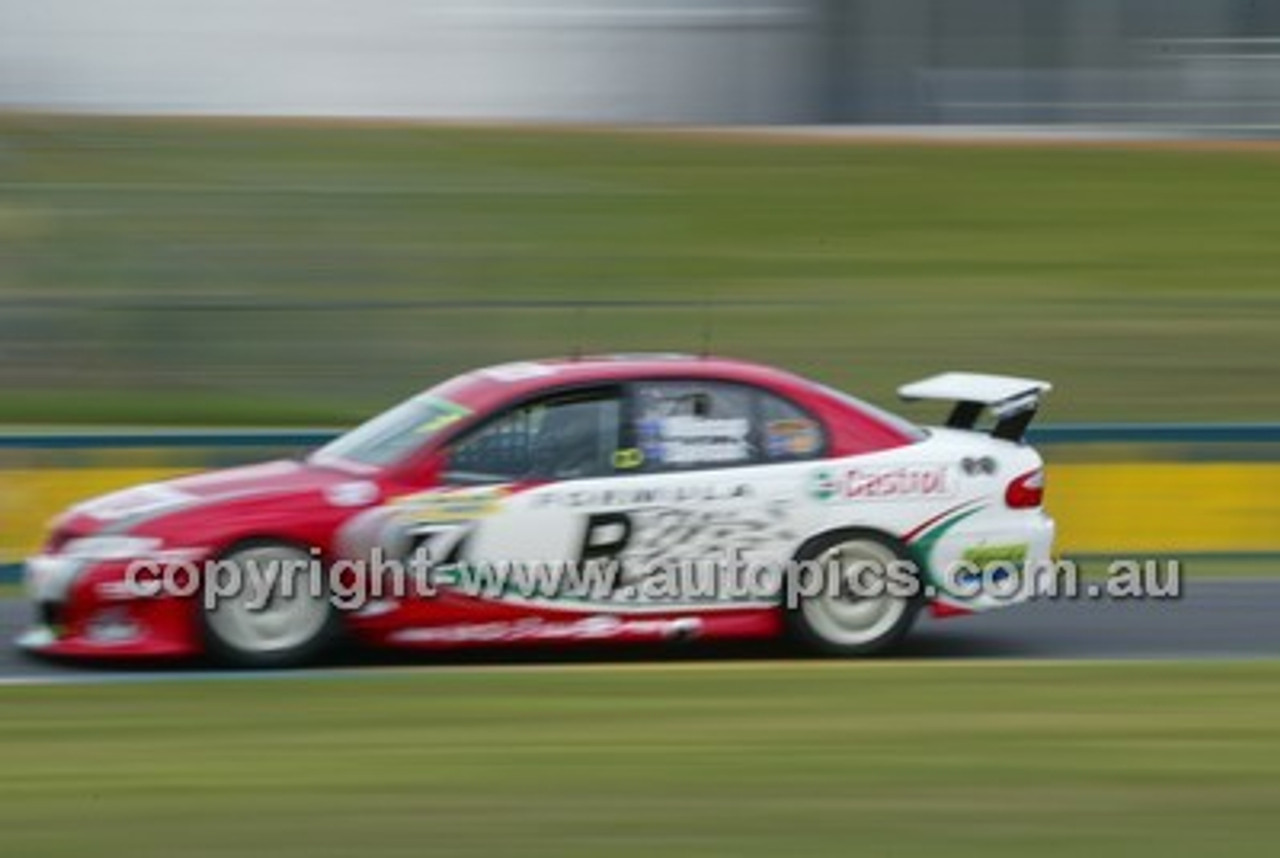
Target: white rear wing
{"points": [[1013, 401]]}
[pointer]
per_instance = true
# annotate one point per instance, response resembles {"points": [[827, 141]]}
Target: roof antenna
{"points": [[706, 324], [578, 328]]}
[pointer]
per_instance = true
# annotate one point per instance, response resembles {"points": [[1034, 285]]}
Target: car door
{"points": [[680, 491], [711, 501], [545, 448]]}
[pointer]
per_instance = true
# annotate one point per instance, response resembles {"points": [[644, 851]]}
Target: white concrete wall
{"points": [[632, 60]]}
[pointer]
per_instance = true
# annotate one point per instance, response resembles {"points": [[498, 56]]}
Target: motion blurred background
{"points": [[289, 213], [173, 269]]}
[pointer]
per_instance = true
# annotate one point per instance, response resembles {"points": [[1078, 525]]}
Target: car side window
{"points": [[566, 436], [681, 425], [788, 433]]}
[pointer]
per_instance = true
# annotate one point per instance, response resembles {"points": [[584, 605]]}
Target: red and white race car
{"points": [[622, 498]]}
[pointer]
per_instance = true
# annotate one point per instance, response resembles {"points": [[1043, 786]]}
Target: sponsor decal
{"points": [[674, 533], [444, 505], [792, 437], [982, 555], [998, 562], [977, 466], [638, 496], [445, 418], [643, 556], [924, 538], [903, 482], [687, 440], [823, 484], [683, 427], [535, 629], [627, 459]]}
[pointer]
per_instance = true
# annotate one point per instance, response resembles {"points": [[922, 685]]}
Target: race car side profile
{"points": [[561, 501]]}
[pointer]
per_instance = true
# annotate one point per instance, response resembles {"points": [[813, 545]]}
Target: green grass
{"points": [[235, 272], [714, 760]]}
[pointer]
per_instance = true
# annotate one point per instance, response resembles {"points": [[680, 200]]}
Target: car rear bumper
{"points": [[992, 561]]}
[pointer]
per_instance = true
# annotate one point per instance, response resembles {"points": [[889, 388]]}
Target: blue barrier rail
{"points": [[1065, 433]]}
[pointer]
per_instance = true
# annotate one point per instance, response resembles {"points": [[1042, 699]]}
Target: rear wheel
{"points": [[287, 625], [854, 621]]}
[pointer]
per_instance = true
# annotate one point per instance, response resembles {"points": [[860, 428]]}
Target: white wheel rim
{"points": [[854, 620], [289, 618]]}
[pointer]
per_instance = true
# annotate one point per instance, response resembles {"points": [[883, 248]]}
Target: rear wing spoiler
{"points": [[1013, 401]]}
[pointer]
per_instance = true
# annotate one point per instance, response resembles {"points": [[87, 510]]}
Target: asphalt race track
{"points": [[1214, 619]]}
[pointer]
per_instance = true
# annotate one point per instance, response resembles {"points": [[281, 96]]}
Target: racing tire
{"points": [[834, 622], [289, 627]]}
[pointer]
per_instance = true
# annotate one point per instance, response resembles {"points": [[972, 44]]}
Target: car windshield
{"points": [[394, 433]]}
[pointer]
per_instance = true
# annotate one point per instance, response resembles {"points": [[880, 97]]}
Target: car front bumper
{"points": [[84, 609]]}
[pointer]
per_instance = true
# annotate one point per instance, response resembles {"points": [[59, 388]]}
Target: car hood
{"points": [[122, 510]]}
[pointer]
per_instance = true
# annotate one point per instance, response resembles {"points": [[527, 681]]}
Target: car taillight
{"points": [[1026, 490]]}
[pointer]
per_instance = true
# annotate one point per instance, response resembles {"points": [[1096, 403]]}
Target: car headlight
{"points": [[110, 547]]}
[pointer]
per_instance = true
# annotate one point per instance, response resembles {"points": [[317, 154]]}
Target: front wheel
{"points": [[287, 624], [835, 619]]}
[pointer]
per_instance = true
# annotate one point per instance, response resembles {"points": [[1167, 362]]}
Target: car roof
{"points": [[853, 426], [486, 387]]}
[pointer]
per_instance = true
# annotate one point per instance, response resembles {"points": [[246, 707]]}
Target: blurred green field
{"points": [[697, 760], [242, 272]]}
